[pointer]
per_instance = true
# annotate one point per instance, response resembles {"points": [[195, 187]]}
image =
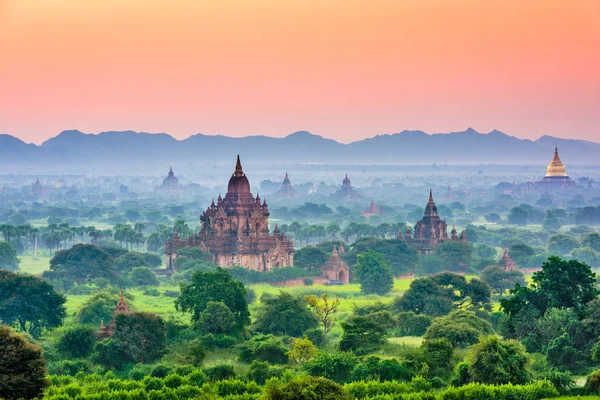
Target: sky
{"points": [[343, 69]]}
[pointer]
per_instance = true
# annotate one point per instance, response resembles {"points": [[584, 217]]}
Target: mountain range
{"points": [[114, 152]]}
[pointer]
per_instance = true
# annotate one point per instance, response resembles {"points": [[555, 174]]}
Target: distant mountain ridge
{"points": [[127, 150]]}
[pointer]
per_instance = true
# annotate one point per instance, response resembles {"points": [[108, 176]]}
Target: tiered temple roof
{"points": [[372, 210], [235, 231], [431, 230], [346, 192], [170, 183], [287, 191], [122, 308]]}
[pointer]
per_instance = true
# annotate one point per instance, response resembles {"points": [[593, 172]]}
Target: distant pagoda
{"points": [[170, 183], [287, 191], [556, 173], [431, 231], [506, 263], [346, 192], [372, 210]]}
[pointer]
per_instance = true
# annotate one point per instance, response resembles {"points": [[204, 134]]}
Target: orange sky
{"points": [[340, 68]]}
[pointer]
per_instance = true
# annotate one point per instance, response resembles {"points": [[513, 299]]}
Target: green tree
{"points": [[217, 285], [30, 303], [501, 280], [591, 240], [485, 251], [373, 273], [142, 276], [129, 261], [438, 355], [460, 328], [83, 263], [306, 388], [457, 256], [216, 318], [365, 334], [285, 315], [496, 362], [560, 284], [99, 307], [336, 366], [562, 244], [143, 335], [22, 367], [8, 257], [401, 257], [520, 252], [310, 258], [77, 342], [517, 216], [324, 308], [302, 351], [550, 222]]}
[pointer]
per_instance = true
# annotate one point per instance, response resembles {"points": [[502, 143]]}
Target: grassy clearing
{"points": [[406, 340], [34, 266]]}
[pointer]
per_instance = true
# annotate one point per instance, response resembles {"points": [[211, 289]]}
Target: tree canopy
{"points": [[82, 263], [373, 273], [285, 314], [8, 257]]}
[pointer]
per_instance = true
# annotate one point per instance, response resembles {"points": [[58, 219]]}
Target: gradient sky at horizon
{"points": [[341, 69]]}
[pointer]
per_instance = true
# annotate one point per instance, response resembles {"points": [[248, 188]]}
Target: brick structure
{"points": [[506, 263], [372, 210], [235, 231], [431, 231], [122, 308], [346, 192], [335, 269], [287, 191], [170, 183]]}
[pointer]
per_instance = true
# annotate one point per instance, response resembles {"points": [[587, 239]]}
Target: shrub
{"points": [[335, 366], [143, 276], [197, 378], [316, 336], [171, 293], [264, 348], [173, 381], [154, 292], [593, 382], [220, 341], [77, 342], [220, 372], [411, 324], [69, 367], [307, 388], [160, 371], [308, 281]]}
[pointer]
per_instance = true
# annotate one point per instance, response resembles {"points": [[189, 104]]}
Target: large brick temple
{"points": [[431, 231], [235, 231]]}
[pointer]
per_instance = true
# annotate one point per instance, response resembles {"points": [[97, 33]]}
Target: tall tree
{"points": [[22, 367], [324, 307], [83, 263], [30, 303], [217, 285], [285, 315], [143, 335], [8, 257], [373, 273]]}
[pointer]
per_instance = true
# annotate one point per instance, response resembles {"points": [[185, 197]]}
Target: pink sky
{"points": [[343, 69]]}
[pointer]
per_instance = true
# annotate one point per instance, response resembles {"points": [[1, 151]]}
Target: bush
{"points": [[220, 372], [307, 388], [316, 336], [264, 348], [477, 391], [173, 381], [69, 367], [171, 293], [335, 366], [308, 281], [143, 276], [160, 371], [220, 341], [77, 342], [411, 324], [593, 382], [154, 292]]}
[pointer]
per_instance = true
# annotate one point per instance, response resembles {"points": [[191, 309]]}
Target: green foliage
{"points": [[306, 388], [216, 318], [30, 303], [143, 276], [496, 361], [267, 348], [302, 351], [310, 258], [562, 244], [501, 280], [373, 273], [248, 276], [77, 342], [456, 256], [560, 284], [591, 240], [550, 222], [477, 391], [22, 367], [261, 371], [217, 286], [518, 216], [128, 261], [400, 257], [8, 257], [143, 334], [99, 307], [439, 294], [592, 383], [461, 328], [335, 366], [220, 372], [562, 381], [82, 263], [438, 355], [365, 334], [285, 315], [373, 368], [411, 324]]}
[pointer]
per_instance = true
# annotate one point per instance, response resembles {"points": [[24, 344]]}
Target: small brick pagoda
{"points": [[335, 269], [287, 191], [346, 192], [122, 308], [506, 263], [235, 231], [170, 183]]}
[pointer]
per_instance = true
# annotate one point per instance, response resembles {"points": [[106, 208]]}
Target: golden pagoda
{"points": [[556, 171]]}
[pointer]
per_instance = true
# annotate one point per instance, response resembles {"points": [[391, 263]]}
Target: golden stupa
{"points": [[556, 168]]}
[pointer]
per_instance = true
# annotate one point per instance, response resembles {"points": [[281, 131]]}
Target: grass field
{"points": [[34, 266]]}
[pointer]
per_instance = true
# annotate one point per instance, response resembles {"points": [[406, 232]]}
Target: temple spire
{"points": [[430, 196], [238, 165]]}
